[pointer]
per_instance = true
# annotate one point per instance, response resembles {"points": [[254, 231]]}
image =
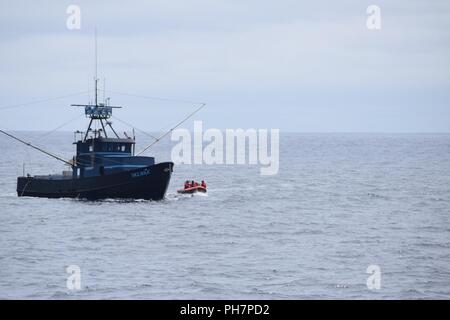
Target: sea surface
{"points": [[339, 204]]}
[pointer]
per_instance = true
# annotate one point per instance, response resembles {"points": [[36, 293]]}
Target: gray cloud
{"points": [[288, 64]]}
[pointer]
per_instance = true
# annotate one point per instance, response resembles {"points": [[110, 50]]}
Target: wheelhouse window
{"points": [[122, 148]]}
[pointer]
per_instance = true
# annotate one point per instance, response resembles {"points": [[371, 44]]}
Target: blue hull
{"points": [[148, 183]]}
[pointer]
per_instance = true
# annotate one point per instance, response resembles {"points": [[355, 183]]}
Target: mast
{"points": [[96, 92], [96, 111]]}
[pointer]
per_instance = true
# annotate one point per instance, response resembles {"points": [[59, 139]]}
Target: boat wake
{"points": [[179, 196]]}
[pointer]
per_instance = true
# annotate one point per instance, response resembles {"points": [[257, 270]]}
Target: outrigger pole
{"points": [[37, 148], [171, 129]]}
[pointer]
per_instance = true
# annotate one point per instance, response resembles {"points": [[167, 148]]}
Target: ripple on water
{"points": [[338, 204]]}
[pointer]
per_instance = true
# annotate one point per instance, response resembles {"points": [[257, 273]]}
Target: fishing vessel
{"points": [[105, 165]]}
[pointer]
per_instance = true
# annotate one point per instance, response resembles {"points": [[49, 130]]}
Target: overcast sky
{"points": [[310, 66]]}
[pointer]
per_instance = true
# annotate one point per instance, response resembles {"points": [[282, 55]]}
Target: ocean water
{"points": [[340, 203]]}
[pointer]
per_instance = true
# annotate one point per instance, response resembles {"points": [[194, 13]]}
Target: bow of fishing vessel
{"points": [[105, 166]]}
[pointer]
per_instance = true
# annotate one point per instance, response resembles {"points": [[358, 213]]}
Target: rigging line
{"points": [[37, 148], [42, 101], [173, 128], [57, 128], [153, 98], [131, 126]]}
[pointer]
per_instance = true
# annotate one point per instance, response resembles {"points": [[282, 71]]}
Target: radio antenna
{"points": [[96, 66]]}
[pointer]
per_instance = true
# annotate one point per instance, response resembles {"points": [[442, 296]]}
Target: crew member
{"points": [[203, 184]]}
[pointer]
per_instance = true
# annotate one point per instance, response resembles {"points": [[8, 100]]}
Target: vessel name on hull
{"points": [[141, 173]]}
